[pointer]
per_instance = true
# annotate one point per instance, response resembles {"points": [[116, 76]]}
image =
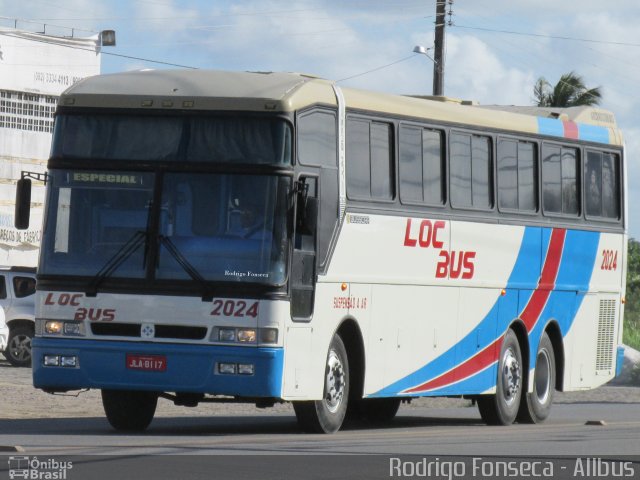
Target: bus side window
{"points": [[593, 184], [517, 175], [560, 170], [370, 169], [421, 166], [602, 190], [610, 186], [471, 171]]}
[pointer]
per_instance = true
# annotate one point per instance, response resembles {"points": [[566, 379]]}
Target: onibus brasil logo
{"points": [[34, 469]]}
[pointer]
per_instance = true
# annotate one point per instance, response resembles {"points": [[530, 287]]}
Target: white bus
{"points": [[266, 237]]}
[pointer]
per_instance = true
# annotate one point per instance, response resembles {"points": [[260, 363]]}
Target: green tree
{"points": [[632, 307], [570, 91]]}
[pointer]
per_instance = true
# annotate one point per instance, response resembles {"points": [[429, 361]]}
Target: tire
{"points": [[129, 411], [18, 351], [327, 415], [536, 406], [502, 408], [379, 410]]}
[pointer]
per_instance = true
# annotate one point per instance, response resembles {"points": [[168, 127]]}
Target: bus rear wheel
{"points": [[502, 408], [327, 415], [129, 411], [536, 406]]}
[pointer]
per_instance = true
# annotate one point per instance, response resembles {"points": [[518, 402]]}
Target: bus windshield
{"points": [[226, 227], [215, 139]]}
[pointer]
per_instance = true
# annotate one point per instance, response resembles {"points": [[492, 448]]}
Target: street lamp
{"points": [[423, 51], [108, 38]]}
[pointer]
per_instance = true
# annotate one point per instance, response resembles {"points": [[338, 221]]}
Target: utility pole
{"points": [[438, 45]]}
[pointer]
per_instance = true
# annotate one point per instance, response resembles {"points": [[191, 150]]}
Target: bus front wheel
{"points": [[327, 415], [502, 408], [536, 406], [129, 411]]}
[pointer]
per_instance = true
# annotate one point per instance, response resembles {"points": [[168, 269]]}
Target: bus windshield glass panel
{"points": [[229, 228], [91, 216], [215, 139]]}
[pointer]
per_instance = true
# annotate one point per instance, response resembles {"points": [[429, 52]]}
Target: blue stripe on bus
{"points": [[576, 267], [572, 283], [589, 133], [593, 133], [550, 126]]}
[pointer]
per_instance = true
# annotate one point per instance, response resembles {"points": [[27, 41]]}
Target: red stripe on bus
{"points": [[570, 129], [473, 365], [539, 298], [529, 316]]}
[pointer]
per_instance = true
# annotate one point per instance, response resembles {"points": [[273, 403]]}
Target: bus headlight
{"points": [[53, 327], [247, 335], [51, 360], [269, 335], [227, 368], [60, 327], [74, 328], [227, 335], [265, 336], [246, 369], [68, 361]]}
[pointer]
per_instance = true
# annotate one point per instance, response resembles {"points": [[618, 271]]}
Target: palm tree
{"points": [[570, 91]]}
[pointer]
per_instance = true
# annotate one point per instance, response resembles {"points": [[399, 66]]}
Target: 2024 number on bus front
{"points": [[234, 308]]}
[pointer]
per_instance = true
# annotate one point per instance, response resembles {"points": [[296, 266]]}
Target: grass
{"points": [[631, 334]]}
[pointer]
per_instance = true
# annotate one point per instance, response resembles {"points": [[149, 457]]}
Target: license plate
{"points": [[150, 363]]}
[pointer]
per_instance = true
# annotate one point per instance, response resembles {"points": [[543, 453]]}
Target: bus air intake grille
{"points": [[116, 329], [180, 332], [606, 326], [177, 332]]}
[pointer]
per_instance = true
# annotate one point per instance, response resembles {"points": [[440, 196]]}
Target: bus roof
{"points": [[287, 92]]}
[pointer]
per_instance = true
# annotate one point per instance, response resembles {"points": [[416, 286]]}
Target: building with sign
{"points": [[34, 70]]}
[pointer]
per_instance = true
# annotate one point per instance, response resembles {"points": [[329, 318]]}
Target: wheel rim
{"points": [[511, 376], [542, 376], [334, 383], [20, 348]]}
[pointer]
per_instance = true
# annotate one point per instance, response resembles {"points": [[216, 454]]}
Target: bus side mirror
{"points": [[23, 204]]}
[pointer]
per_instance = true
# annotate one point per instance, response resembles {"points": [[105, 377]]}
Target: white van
{"points": [[17, 298], [4, 331]]}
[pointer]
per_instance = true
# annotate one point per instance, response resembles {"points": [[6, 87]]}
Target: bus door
{"points": [[317, 195], [303, 265]]}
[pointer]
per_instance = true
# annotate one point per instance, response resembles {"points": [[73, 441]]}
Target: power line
{"points": [[376, 69], [264, 13], [555, 37]]}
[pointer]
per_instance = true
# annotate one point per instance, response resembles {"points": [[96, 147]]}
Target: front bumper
{"points": [[189, 368]]}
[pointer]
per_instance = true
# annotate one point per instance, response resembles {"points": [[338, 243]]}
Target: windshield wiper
{"points": [[118, 258], [207, 295]]}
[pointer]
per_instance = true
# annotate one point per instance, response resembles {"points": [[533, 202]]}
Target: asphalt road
{"points": [[433, 431], [269, 443]]}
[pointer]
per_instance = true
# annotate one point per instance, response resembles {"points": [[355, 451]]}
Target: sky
{"points": [[495, 49]]}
